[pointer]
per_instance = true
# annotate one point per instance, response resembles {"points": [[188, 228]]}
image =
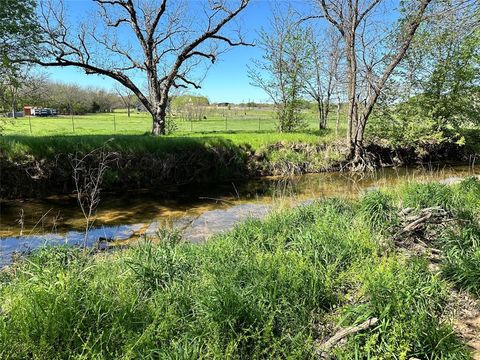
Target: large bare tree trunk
{"points": [[352, 87], [159, 120], [160, 115]]}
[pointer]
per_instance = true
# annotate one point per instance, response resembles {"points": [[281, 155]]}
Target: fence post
{"points": [[73, 124], [259, 123], [191, 125], [114, 124], [30, 123], [226, 122]]}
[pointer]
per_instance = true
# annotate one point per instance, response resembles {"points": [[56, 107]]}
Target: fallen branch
{"points": [[417, 224], [216, 200], [325, 349]]}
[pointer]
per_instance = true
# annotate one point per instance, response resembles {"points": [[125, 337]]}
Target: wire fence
{"points": [[139, 123]]}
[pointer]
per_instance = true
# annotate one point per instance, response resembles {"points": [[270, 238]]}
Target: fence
{"points": [[139, 123]]}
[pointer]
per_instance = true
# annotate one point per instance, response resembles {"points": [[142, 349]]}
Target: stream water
{"points": [[197, 211]]}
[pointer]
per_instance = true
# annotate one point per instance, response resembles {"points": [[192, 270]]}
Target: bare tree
{"points": [[351, 18], [172, 39], [127, 96], [321, 70], [193, 110], [88, 173]]}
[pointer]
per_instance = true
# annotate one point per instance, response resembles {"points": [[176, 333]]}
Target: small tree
{"points": [[12, 82], [280, 71], [127, 96], [321, 70], [88, 173]]}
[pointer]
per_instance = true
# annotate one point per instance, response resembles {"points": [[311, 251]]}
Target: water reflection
{"points": [[206, 209]]}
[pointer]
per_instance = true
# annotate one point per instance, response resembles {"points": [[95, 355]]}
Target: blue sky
{"points": [[227, 79]]}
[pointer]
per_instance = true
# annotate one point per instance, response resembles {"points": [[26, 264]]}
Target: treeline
{"points": [[414, 80], [73, 99], [66, 98]]}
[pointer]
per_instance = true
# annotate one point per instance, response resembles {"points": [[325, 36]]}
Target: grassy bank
{"points": [[36, 166], [20, 146], [272, 289]]}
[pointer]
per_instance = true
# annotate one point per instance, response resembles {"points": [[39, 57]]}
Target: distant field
{"points": [[216, 120], [256, 128]]}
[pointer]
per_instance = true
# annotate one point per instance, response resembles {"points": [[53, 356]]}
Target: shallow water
{"points": [[197, 211]]}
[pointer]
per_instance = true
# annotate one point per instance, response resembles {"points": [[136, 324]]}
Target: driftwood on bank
{"points": [[415, 233], [324, 350], [414, 225]]}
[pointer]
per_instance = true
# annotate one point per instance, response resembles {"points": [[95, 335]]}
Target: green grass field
{"points": [[217, 120], [254, 128]]}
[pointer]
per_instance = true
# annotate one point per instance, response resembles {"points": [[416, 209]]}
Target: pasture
{"points": [[251, 127], [214, 120]]}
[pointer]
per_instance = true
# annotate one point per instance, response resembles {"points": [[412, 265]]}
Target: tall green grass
{"points": [[20, 146], [267, 289]]}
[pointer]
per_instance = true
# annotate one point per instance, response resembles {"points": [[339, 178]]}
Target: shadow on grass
{"points": [[14, 146], [317, 132]]}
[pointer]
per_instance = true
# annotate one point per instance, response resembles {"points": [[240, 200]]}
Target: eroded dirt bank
{"points": [[29, 176]]}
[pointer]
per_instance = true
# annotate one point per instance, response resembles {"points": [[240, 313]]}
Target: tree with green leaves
{"points": [[280, 72], [437, 92], [18, 37], [18, 28]]}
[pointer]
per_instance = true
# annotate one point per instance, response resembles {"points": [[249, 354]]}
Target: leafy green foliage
{"points": [[439, 78], [18, 28]]}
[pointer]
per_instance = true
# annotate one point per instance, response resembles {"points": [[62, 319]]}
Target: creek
{"points": [[197, 211]]}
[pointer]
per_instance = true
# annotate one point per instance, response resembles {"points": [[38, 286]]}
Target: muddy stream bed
{"points": [[197, 211]]}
